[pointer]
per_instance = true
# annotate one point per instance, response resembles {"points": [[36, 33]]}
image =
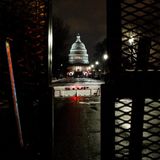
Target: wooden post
{"points": [[14, 96]]}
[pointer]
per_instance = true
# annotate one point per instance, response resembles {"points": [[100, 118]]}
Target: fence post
{"points": [[136, 128], [107, 122], [108, 89]]}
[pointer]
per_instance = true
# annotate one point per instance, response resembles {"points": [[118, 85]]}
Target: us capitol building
{"points": [[79, 82], [78, 63]]}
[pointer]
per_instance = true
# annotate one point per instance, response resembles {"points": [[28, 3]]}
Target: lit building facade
{"points": [[78, 60]]}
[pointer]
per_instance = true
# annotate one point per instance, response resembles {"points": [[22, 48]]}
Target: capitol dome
{"points": [[78, 45], [78, 52]]}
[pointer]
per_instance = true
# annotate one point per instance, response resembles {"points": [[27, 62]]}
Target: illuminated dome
{"points": [[78, 52], [78, 45]]}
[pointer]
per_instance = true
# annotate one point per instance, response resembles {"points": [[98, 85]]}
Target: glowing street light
{"points": [[105, 57], [97, 63], [92, 65]]}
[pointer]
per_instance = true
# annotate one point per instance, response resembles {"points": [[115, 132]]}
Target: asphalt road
{"points": [[76, 130]]}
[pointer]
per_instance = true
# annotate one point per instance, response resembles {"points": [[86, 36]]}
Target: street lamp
{"points": [[96, 69], [92, 65], [97, 63], [104, 66], [105, 57]]}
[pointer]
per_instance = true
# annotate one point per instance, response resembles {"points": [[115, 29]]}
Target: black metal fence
{"points": [[131, 97]]}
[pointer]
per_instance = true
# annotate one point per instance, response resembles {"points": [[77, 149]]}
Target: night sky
{"points": [[87, 17]]}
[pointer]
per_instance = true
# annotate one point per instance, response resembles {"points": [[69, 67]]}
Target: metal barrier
{"points": [[130, 99]]}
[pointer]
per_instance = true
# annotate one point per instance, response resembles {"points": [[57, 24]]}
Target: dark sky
{"points": [[87, 17]]}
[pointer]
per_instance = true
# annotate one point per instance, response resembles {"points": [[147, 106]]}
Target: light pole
{"points": [[92, 69], [96, 69]]}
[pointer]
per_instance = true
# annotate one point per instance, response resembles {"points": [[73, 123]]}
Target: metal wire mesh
{"points": [[122, 127], [151, 130], [140, 19], [140, 22]]}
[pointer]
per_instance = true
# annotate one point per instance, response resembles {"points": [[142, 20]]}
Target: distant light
{"points": [[85, 73], [89, 68], [74, 98], [92, 65], [70, 73], [105, 56], [97, 63], [131, 40], [61, 65], [78, 68]]}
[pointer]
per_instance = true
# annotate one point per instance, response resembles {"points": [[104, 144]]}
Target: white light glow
{"points": [[131, 40], [50, 46], [97, 63], [85, 73], [92, 65], [50, 38], [78, 68], [71, 73], [105, 56], [89, 68]]}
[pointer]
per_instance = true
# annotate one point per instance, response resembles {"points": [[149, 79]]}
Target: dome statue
{"points": [[78, 52]]}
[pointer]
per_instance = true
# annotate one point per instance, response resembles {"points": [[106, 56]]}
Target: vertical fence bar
{"points": [[50, 56], [108, 91], [50, 40], [107, 122], [114, 35], [137, 128], [14, 96]]}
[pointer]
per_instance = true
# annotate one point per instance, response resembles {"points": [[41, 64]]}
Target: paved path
{"points": [[77, 131]]}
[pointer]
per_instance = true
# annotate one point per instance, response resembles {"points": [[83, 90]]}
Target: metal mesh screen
{"points": [[151, 130], [140, 22], [122, 127]]}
